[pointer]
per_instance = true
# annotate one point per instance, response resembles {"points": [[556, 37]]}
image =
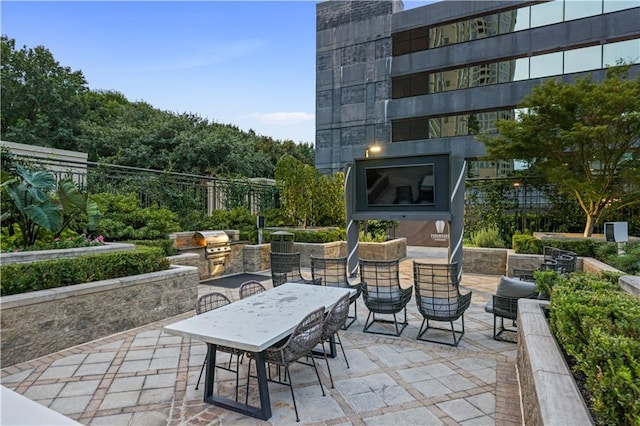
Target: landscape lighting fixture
{"points": [[372, 149]]}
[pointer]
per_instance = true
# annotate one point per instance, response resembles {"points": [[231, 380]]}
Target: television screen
{"points": [[412, 187], [407, 184]]}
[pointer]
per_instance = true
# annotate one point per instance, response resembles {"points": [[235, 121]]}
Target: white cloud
{"points": [[281, 118]]}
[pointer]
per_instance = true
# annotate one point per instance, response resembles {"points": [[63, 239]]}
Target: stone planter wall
{"points": [[334, 249], [630, 284], [388, 250], [256, 257], [41, 322], [488, 261], [549, 393], [32, 256]]}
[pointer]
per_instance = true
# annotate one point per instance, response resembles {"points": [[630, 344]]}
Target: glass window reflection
{"points": [[585, 59], [581, 9], [546, 65], [546, 13], [628, 51], [615, 5]]}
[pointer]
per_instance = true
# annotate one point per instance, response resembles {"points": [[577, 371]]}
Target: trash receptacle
{"points": [[282, 242]]}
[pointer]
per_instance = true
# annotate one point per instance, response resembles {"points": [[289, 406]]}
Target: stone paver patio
{"points": [[146, 377]]}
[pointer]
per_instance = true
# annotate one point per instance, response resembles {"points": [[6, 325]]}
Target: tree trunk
{"points": [[588, 227]]}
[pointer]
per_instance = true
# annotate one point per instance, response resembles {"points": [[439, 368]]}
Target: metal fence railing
{"points": [[524, 204], [177, 191]]}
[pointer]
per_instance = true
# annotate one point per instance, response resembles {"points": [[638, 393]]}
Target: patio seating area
{"points": [[147, 377]]}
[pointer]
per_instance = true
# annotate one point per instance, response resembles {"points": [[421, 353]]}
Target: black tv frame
{"points": [[420, 207]]}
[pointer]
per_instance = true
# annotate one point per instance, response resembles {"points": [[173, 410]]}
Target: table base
{"points": [[263, 412]]}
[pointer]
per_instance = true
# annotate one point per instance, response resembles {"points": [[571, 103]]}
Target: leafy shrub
{"points": [[165, 245], [372, 238], [597, 325], [24, 277], [239, 218], [323, 236], [124, 219], [546, 281], [487, 237], [526, 244], [629, 262]]}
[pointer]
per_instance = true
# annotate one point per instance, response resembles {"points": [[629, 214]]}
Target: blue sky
{"points": [[247, 63]]}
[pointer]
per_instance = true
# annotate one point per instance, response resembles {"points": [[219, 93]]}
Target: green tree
{"points": [[328, 200], [296, 181], [583, 137], [41, 100], [309, 197]]}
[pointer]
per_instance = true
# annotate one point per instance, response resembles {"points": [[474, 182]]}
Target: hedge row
{"points": [[528, 244], [598, 326], [24, 277], [327, 236]]}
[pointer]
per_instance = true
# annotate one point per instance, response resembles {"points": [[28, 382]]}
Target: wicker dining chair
{"points": [[299, 345], [333, 322], [504, 304], [382, 294], [333, 272], [285, 268], [250, 288], [209, 302], [438, 298]]}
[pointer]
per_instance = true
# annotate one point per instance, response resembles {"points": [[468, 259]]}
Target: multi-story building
{"points": [[431, 78]]}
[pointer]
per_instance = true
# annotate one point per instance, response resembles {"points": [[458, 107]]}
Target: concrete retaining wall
{"points": [[41, 322], [388, 250], [630, 284], [334, 249], [33, 256], [488, 261], [549, 393]]}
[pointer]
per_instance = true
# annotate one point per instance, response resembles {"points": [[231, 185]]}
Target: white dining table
{"points": [[254, 324]]}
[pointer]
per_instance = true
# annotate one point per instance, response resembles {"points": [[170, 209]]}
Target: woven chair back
{"points": [[249, 288], [306, 335], [336, 318], [211, 301], [331, 271]]}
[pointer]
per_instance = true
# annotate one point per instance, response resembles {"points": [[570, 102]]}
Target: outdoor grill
{"points": [[213, 247], [216, 243], [217, 248]]}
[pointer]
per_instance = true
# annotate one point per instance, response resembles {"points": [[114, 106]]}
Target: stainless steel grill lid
{"points": [[217, 243]]}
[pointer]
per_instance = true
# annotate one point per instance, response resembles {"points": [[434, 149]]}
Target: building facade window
{"points": [[504, 22], [538, 66], [418, 128]]}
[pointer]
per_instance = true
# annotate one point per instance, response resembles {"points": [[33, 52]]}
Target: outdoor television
{"points": [[402, 187]]}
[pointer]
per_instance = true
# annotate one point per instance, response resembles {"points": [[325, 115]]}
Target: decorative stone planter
{"points": [[33, 256], [488, 261], [41, 322], [549, 393], [387, 250], [256, 257]]}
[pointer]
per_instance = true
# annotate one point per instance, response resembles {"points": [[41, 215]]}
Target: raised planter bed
{"points": [[33, 256], [549, 393], [41, 322]]}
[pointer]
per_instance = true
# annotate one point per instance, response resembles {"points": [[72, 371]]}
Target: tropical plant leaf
{"points": [[46, 215], [43, 181], [70, 196]]}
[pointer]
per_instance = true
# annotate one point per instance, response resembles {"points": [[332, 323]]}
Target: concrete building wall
{"points": [[353, 69]]}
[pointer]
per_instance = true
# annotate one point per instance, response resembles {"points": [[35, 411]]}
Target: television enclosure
{"points": [[408, 187]]}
